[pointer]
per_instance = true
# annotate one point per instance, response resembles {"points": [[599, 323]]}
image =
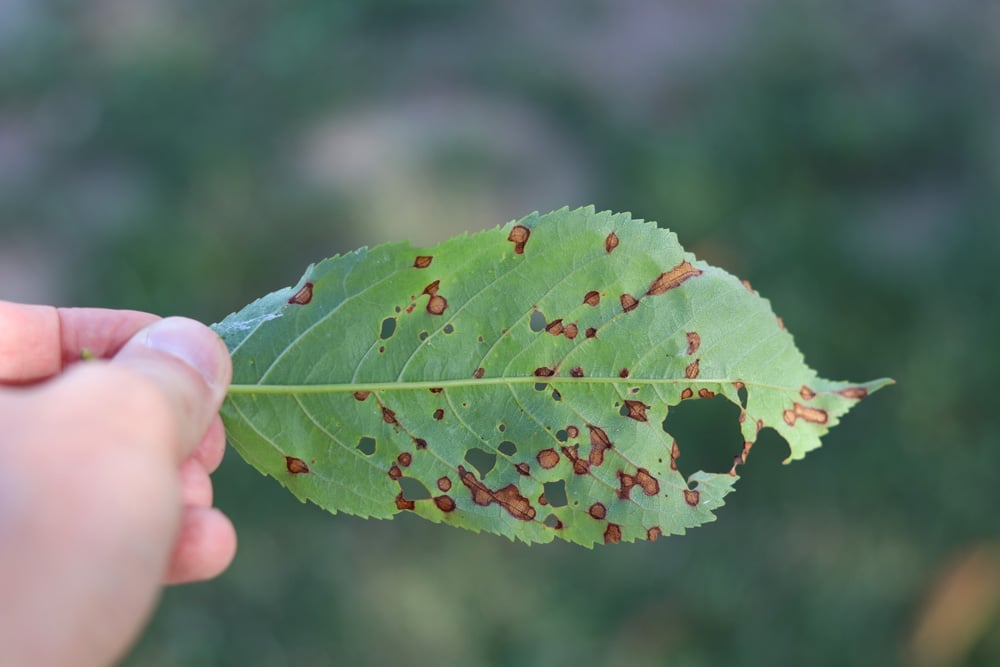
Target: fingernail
{"points": [[191, 342]]}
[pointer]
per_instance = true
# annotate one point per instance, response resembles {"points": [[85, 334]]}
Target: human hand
{"points": [[104, 475]]}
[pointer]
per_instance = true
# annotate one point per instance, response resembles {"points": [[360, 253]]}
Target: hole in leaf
{"points": [[537, 322], [449, 329], [556, 396], [540, 386], [507, 448], [708, 432], [501, 427], [413, 489], [481, 460], [555, 493], [398, 309], [562, 435], [552, 521], [366, 445], [423, 335], [742, 393], [388, 328]]}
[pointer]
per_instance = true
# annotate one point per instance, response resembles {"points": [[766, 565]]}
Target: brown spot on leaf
{"points": [[433, 288], [760, 425], [706, 393], [650, 485], [439, 414], [405, 459], [611, 242], [555, 327], [544, 371], [806, 393], [599, 443], [694, 342], [436, 390], [552, 521], [437, 304], [636, 410], [692, 497], [748, 286], [509, 497], [781, 323], [686, 394], [479, 372], [360, 395], [422, 261], [856, 393], [580, 466], [572, 431], [613, 534], [590, 332], [420, 443], [523, 468], [404, 504], [743, 416], [626, 482], [444, 484], [388, 416], [739, 385], [296, 466], [571, 331], [303, 296], [548, 458], [542, 500], [629, 302], [654, 533], [741, 458], [519, 237], [799, 411], [692, 370], [592, 298], [675, 453], [673, 278], [598, 511], [395, 472], [445, 503], [623, 373]]}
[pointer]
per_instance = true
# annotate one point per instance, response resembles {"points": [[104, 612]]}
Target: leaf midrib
{"points": [[444, 384]]}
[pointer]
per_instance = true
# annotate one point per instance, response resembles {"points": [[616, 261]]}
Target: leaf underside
{"points": [[517, 381]]}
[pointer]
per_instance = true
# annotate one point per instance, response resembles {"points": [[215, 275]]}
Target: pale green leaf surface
{"points": [[348, 381]]}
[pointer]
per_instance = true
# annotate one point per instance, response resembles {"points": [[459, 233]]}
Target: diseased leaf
{"points": [[517, 380]]}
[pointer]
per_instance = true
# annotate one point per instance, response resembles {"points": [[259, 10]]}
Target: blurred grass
{"points": [[186, 158]]}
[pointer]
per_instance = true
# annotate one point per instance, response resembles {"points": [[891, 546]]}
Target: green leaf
{"points": [[517, 381]]}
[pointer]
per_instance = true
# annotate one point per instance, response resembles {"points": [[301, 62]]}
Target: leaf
{"points": [[517, 381]]}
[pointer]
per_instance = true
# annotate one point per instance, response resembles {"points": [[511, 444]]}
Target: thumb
{"points": [[190, 364]]}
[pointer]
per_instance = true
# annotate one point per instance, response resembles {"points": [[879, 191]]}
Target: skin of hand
{"points": [[105, 493]]}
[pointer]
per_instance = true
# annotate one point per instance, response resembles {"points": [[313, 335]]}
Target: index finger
{"points": [[37, 342]]}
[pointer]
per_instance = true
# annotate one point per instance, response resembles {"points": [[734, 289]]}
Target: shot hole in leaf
{"points": [[555, 493], [388, 328], [712, 425], [537, 321], [507, 448], [366, 445], [423, 335], [449, 329], [481, 460], [413, 489]]}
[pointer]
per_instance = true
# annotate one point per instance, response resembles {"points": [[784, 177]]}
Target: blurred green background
{"points": [[185, 157]]}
